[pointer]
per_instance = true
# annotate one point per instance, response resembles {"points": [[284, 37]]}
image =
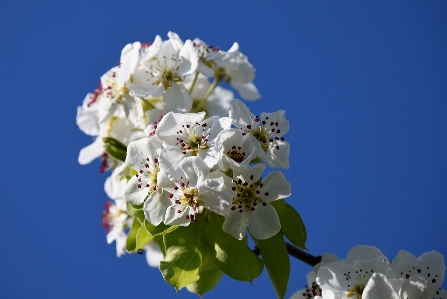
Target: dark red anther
{"points": [[249, 127], [264, 204]]}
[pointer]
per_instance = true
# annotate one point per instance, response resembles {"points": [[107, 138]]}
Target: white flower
{"points": [[196, 188], [115, 92], [236, 149], [233, 65], [268, 130], [116, 184], [251, 203], [163, 68], [116, 221], [86, 117], [418, 277], [142, 155], [187, 135], [351, 278], [312, 289]]}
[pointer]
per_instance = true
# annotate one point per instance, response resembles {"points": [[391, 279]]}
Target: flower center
{"points": [[246, 198], [192, 142], [236, 154], [362, 279], [262, 136], [148, 177], [356, 290]]}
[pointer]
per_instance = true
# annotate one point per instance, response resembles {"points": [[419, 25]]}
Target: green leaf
{"points": [[233, 257], [183, 257], [138, 237], [292, 225], [115, 148], [160, 229], [209, 274], [208, 280], [276, 259], [135, 211]]}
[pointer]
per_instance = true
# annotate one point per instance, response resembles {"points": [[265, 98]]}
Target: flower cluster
{"points": [[367, 273], [183, 150]]}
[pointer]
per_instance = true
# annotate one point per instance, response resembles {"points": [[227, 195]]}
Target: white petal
{"points": [[432, 262], [276, 123], [378, 287], [274, 186], [332, 278], [106, 109], [249, 174], [242, 117], [177, 43], [277, 154], [190, 57], [91, 152], [263, 222], [170, 159], [133, 109], [195, 170], [177, 98], [204, 69], [140, 150], [129, 60], [415, 287], [175, 218], [363, 252], [133, 194], [219, 101], [155, 207], [236, 224], [87, 121], [153, 254], [215, 194], [247, 91]]}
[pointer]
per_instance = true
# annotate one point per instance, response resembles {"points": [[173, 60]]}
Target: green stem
{"points": [[194, 82], [209, 91]]}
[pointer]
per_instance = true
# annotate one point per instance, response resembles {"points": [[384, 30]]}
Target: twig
{"points": [[297, 253]]}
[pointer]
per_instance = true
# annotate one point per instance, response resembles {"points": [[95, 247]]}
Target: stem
{"points": [[194, 82], [209, 91], [298, 254]]}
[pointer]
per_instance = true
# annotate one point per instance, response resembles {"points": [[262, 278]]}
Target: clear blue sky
{"points": [[364, 85]]}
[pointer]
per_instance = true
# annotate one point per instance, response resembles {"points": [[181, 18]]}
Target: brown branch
{"points": [[297, 253]]}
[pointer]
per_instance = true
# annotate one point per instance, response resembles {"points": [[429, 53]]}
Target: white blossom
{"points": [[194, 189], [236, 149], [143, 155], [268, 130], [251, 207], [116, 222]]}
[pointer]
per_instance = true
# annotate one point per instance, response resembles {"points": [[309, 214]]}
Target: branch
{"points": [[297, 253]]}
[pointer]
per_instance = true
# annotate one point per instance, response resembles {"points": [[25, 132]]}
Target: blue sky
{"points": [[364, 85]]}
